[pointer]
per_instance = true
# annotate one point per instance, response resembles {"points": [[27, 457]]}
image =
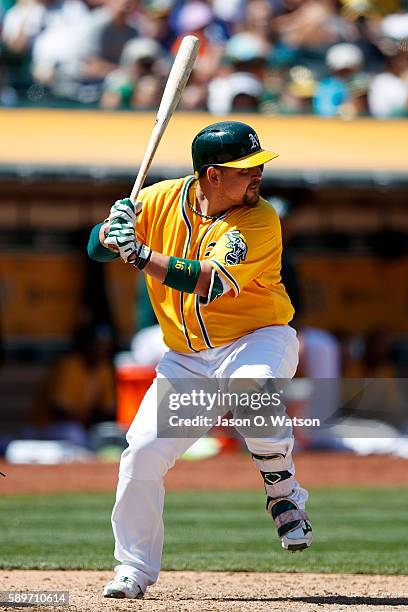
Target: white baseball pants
{"points": [[270, 352]]}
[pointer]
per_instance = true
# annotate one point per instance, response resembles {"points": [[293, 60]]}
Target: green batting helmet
{"points": [[228, 143]]}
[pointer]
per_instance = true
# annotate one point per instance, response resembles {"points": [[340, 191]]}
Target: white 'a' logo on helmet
{"points": [[254, 141]]}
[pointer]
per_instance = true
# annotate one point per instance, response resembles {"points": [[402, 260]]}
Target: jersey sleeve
{"points": [[157, 200], [248, 251]]}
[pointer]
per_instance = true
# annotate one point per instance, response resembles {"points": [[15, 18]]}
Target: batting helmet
{"points": [[228, 143]]}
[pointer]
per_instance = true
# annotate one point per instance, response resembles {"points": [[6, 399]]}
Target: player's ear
{"points": [[213, 175]]}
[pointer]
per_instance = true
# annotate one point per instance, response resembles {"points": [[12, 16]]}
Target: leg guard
{"points": [[277, 472]]}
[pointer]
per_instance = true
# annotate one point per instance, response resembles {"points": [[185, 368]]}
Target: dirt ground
{"points": [[216, 591], [229, 471]]}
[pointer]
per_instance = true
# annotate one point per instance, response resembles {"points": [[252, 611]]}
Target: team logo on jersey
{"points": [[254, 142], [238, 248]]}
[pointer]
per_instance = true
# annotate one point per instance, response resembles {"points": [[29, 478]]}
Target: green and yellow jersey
{"points": [[243, 245]]}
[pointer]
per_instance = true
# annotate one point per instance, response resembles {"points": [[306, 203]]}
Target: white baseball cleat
{"points": [[294, 527], [122, 587]]}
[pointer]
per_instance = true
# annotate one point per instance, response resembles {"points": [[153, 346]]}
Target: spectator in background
{"points": [[244, 69], [73, 61], [297, 95], [342, 93], [154, 21], [52, 45], [369, 8], [197, 18], [139, 81], [230, 13], [77, 44], [22, 23], [258, 20], [111, 26], [313, 27], [148, 93], [244, 92], [45, 38], [388, 95], [247, 52]]}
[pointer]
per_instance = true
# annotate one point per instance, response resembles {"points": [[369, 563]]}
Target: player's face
{"points": [[241, 185]]}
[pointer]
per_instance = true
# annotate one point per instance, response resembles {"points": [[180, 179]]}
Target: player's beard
{"points": [[251, 197]]}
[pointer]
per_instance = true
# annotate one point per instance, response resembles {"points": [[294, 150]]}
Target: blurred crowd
{"points": [[328, 57]]}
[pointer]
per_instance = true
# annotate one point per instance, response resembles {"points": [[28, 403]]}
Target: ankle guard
{"points": [[286, 515]]}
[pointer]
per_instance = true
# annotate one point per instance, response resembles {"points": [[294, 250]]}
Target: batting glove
{"points": [[125, 211], [122, 239]]}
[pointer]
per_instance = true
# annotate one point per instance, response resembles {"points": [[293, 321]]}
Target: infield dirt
{"points": [[227, 472], [222, 591]]}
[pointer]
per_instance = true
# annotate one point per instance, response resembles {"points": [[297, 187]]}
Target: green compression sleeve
{"points": [[96, 250], [182, 274]]}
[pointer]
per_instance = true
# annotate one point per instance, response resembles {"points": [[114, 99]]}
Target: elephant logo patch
{"points": [[238, 248]]}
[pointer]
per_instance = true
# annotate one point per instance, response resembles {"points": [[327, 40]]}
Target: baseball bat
{"points": [[176, 82]]}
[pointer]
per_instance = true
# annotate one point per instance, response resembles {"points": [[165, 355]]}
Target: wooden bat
{"points": [[176, 82]]}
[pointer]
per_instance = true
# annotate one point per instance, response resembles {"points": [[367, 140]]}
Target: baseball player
{"points": [[210, 247]]}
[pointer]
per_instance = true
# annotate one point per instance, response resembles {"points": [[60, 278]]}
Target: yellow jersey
{"points": [[243, 245]]}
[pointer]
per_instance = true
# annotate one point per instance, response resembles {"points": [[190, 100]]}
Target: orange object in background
{"points": [[132, 382], [228, 444]]}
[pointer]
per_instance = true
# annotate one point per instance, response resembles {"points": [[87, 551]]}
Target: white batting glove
{"points": [[124, 210], [121, 238]]}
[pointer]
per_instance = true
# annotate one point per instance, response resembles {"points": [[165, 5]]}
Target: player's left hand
{"points": [[121, 238]]}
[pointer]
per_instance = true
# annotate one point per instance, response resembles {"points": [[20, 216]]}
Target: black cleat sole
{"points": [[297, 547]]}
